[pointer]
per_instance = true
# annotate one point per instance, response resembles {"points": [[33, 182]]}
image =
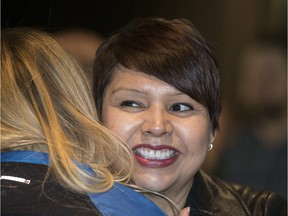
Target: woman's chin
{"points": [[152, 183]]}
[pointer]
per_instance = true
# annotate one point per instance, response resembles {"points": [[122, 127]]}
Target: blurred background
{"points": [[250, 40]]}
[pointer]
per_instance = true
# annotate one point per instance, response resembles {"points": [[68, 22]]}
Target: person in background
{"points": [[157, 86], [256, 152], [56, 159], [82, 45]]}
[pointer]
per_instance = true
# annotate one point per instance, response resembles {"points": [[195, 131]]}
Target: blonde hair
{"points": [[47, 106]]}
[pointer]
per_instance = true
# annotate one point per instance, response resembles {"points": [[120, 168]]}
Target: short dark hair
{"points": [[171, 50]]}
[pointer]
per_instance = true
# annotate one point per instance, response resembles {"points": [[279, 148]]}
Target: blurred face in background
{"points": [[263, 80]]}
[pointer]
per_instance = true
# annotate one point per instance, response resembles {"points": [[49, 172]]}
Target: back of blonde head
{"points": [[47, 106]]}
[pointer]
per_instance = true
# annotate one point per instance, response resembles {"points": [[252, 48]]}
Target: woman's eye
{"points": [[130, 104], [181, 107]]}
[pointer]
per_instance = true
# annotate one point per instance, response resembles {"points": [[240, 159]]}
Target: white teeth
{"points": [[155, 154]]}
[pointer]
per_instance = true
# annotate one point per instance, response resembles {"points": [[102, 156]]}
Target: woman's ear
{"points": [[213, 136]]}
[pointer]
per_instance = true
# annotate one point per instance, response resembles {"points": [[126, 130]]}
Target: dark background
{"points": [[227, 24]]}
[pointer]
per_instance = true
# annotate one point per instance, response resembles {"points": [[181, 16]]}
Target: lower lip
{"points": [[152, 163]]}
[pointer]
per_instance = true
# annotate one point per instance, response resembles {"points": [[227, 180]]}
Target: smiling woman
{"points": [[157, 86]]}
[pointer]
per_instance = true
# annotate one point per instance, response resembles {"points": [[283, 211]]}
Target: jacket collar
{"points": [[211, 196]]}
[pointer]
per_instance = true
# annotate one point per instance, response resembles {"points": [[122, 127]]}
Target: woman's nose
{"points": [[156, 123]]}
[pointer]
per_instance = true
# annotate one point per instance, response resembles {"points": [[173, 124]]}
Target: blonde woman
{"points": [[56, 158]]}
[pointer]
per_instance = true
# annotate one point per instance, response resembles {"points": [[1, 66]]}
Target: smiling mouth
{"points": [[155, 154], [159, 156]]}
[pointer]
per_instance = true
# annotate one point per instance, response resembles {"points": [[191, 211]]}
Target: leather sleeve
{"points": [[262, 203]]}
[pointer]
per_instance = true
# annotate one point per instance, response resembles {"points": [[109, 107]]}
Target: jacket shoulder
{"points": [[256, 202], [40, 196], [269, 203]]}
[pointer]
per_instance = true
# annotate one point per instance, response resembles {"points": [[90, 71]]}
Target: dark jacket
{"points": [[212, 196], [37, 199]]}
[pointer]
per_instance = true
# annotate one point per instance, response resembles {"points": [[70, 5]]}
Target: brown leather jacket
{"points": [[212, 196]]}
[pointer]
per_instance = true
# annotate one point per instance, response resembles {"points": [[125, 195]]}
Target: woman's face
{"points": [[168, 131]]}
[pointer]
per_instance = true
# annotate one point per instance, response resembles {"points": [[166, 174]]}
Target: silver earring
{"points": [[210, 147]]}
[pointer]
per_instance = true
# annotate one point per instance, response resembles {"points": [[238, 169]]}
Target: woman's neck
{"points": [[178, 199]]}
